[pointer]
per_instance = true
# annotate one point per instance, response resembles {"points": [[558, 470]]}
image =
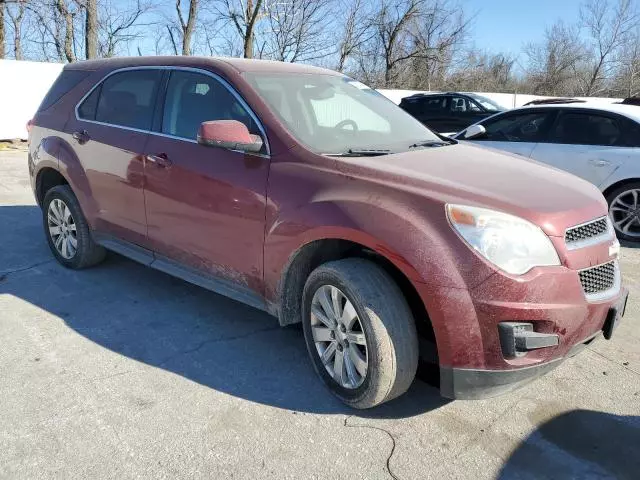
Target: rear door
{"points": [[109, 133], [518, 131], [430, 110], [205, 205], [587, 143]]}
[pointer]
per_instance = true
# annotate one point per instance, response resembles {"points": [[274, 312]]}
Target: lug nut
{"points": [[343, 329], [339, 347]]}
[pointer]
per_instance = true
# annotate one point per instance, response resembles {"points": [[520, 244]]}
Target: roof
{"points": [[629, 111], [239, 64]]}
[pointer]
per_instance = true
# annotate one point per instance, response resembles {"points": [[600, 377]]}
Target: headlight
{"points": [[510, 243]]}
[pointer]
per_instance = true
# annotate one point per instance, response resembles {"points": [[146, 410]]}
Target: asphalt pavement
{"points": [[121, 371]]}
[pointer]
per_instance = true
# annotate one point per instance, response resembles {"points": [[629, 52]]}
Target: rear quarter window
{"points": [[65, 82]]}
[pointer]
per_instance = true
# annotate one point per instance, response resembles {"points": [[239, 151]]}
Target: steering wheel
{"points": [[345, 123]]}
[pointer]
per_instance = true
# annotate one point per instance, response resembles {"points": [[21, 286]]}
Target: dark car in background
{"points": [[449, 112]]}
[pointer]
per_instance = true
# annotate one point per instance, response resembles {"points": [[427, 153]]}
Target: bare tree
{"points": [[244, 15], [483, 72], [438, 31], [356, 31], [186, 27], [119, 25], [626, 82], [555, 62], [16, 12], [67, 13], [2, 34], [297, 30], [391, 25], [609, 28], [91, 29]]}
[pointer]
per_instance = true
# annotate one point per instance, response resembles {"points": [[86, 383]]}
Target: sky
{"points": [[506, 25]]}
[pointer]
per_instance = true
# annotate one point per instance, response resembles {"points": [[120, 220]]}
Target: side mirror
{"points": [[474, 131], [229, 134]]}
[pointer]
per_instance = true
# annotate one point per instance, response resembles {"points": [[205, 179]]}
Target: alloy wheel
{"points": [[62, 229], [339, 337], [625, 213]]}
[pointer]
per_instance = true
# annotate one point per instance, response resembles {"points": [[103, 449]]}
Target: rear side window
{"points": [[124, 99], [632, 134], [424, 105], [193, 98], [517, 127], [63, 85], [578, 128]]}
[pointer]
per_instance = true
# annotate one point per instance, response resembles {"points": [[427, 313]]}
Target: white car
{"points": [[599, 142]]}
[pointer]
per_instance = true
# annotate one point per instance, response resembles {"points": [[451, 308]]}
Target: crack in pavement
{"points": [[393, 443], [614, 361], [216, 340], [5, 274]]}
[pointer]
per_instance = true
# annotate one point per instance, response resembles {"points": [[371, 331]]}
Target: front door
{"points": [[205, 205], [516, 132], [587, 144], [109, 137]]}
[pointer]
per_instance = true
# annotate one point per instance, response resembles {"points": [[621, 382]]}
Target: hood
{"points": [[472, 175]]}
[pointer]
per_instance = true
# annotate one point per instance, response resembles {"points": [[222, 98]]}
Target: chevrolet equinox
{"points": [[302, 192]]}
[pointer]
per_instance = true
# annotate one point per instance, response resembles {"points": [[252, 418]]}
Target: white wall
{"points": [[23, 85], [507, 100]]}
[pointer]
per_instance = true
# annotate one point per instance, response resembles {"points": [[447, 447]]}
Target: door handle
{"points": [[161, 160], [599, 162], [81, 136]]}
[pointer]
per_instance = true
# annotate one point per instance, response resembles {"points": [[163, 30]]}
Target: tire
{"points": [[86, 252], [390, 343], [617, 211]]}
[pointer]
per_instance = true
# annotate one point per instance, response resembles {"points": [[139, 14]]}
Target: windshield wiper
{"points": [[360, 153]]}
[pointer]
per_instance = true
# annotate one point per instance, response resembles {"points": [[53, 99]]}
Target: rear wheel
{"points": [[67, 230], [359, 332], [624, 210]]}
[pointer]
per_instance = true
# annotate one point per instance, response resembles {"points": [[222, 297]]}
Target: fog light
{"points": [[517, 338]]}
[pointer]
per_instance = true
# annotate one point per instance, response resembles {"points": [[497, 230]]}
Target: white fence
{"points": [[23, 85], [507, 100]]}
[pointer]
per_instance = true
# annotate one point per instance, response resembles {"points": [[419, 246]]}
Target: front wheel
{"points": [[624, 210], [359, 332]]}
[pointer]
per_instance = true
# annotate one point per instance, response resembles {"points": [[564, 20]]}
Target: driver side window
{"points": [[193, 98], [516, 127]]}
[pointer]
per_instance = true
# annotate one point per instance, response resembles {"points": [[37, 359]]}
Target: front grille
{"points": [[587, 231], [598, 279]]}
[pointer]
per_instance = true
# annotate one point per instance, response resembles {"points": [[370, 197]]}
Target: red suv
{"points": [[304, 193]]}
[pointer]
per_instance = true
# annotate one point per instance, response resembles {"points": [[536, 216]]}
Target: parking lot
{"points": [[121, 371]]}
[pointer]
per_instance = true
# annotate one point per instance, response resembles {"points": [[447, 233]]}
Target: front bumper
{"points": [[472, 383]]}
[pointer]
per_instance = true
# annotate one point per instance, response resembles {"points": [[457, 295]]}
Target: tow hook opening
{"points": [[518, 338]]}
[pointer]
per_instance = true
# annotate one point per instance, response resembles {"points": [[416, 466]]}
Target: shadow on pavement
{"points": [[579, 444], [164, 322]]}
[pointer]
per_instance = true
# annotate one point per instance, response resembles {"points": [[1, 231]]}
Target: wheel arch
{"points": [[319, 251], [620, 183], [46, 179]]}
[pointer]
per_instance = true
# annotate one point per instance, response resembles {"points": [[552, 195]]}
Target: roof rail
{"points": [[551, 101]]}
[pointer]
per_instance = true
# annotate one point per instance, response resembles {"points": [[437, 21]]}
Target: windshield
{"points": [[338, 115], [487, 103]]}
